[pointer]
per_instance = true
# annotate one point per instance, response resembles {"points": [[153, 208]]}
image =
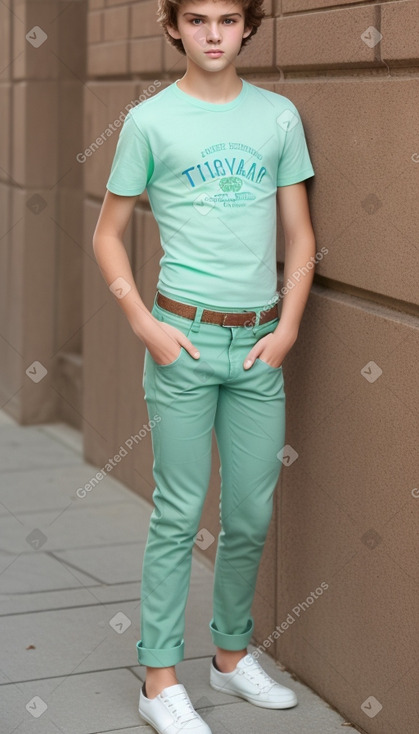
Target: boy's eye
{"points": [[229, 21]]}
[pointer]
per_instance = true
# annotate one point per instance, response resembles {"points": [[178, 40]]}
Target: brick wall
{"points": [[42, 70]]}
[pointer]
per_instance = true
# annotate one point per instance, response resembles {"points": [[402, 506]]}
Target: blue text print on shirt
{"points": [[216, 168]]}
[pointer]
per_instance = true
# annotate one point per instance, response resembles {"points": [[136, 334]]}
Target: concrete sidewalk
{"points": [[70, 586]]}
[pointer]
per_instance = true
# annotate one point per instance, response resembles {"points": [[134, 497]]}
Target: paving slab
{"points": [[77, 704], [55, 487], [118, 563], [91, 593], [70, 528], [110, 564], [7, 420], [82, 639], [67, 641], [26, 447], [37, 572], [67, 598], [249, 719], [135, 730]]}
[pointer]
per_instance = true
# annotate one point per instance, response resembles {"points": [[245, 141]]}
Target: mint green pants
{"points": [[185, 400]]}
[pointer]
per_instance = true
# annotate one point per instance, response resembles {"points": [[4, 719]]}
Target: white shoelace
{"points": [[257, 675], [181, 708]]}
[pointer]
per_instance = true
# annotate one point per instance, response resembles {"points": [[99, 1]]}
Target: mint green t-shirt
{"points": [[211, 172]]}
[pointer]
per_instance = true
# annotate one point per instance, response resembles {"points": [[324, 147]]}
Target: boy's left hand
{"points": [[271, 348]]}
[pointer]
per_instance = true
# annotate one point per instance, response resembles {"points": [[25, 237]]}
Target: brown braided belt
{"points": [[222, 318]]}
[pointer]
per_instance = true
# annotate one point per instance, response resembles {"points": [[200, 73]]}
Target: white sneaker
{"points": [[249, 681], [171, 711]]}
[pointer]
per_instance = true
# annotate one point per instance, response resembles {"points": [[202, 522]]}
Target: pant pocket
{"points": [[184, 325], [262, 331], [170, 364], [269, 366]]}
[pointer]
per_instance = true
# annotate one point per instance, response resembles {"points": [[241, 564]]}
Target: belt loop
{"points": [[257, 320], [197, 320]]}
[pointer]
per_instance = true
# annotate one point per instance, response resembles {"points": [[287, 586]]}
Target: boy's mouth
{"points": [[214, 52]]}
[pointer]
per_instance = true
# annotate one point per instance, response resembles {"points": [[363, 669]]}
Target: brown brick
{"points": [[295, 6], [35, 146], [400, 30], [5, 50], [116, 23], [71, 129], [173, 60], [148, 88], [258, 54], [100, 331], [144, 20], [104, 103], [32, 279], [107, 58], [301, 40], [39, 62], [110, 3], [268, 7], [95, 27], [5, 103], [5, 297], [365, 173], [69, 275], [5, 211], [62, 53], [72, 51], [146, 55]]}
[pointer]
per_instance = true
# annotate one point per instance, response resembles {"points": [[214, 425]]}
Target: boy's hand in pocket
{"points": [[271, 348], [164, 342]]}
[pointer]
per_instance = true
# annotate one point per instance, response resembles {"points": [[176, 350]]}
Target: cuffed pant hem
{"points": [[160, 658], [231, 642]]}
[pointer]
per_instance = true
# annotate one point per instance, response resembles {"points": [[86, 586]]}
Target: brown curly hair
{"points": [[167, 11]]}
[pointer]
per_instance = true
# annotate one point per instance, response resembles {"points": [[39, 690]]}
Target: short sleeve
{"points": [[295, 163], [132, 165]]}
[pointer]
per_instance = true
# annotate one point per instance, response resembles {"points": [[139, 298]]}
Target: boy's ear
{"points": [[247, 32], [173, 31]]}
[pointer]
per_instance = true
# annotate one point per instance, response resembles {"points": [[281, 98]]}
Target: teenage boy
{"points": [[212, 150]]}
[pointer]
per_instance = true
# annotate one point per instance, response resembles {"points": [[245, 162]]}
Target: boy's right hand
{"points": [[165, 342]]}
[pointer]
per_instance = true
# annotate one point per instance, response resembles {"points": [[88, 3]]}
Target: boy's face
{"points": [[211, 32]]}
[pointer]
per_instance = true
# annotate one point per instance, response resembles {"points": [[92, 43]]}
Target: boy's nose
{"points": [[212, 32]]}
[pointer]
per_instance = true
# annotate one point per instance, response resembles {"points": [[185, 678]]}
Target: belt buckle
{"points": [[249, 322]]}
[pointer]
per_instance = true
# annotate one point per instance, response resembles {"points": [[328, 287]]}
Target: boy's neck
{"points": [[215, 87]]}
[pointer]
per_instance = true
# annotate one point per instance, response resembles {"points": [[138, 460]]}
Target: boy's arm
{"points": [[112, 257], [161, 339], [300, 249]]}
